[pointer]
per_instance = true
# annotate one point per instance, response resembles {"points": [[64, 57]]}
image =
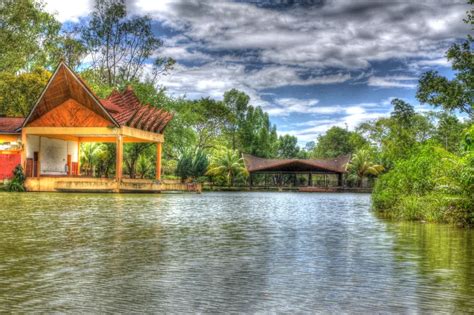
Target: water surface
{"points": [[226, 252]]}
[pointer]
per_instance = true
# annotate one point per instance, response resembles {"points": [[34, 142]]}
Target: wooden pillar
{"points": [[339, 180], [23, 151], [158, 161], [38, 163], [250, 181], [310, 179], [119, 158], [78, 157]]}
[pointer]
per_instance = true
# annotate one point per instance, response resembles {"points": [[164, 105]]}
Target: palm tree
{"points": [[362, 166], [227, 163], [89, 156]]}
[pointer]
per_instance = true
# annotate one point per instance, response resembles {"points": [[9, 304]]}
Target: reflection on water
{"points": [[227, 252]]}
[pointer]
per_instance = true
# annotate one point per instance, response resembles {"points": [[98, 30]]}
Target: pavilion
{"points": [[309, 168], [67, 113]]}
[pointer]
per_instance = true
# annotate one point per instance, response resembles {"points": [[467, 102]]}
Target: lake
{"points": [[226, 252]]}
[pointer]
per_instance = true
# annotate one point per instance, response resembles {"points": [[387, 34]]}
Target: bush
{"points": [[18, 180], [431, 185]]}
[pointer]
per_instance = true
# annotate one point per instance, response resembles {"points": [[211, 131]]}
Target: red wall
{"points": [[8, 162]]}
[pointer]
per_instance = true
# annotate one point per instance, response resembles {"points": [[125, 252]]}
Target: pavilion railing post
{"points": [[158, 161], [119, 158]]}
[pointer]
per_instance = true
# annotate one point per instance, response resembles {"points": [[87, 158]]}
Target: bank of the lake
{"points": [[226, 252], [432, 185]]}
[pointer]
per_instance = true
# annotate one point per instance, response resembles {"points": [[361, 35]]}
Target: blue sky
{"points": [[309, 64]]}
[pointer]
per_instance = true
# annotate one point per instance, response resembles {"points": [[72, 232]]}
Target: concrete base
{"points": [[103, 185]]}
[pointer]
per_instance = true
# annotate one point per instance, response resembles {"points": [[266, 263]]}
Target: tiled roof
{"points": [[336, 165], [126, 109], [10, 125]]}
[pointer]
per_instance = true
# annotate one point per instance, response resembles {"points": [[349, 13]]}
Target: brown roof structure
{"points": [[337, 165], [10, 125], [119, 109]]}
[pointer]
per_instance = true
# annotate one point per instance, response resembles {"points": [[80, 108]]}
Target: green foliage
{"points": [[18, 180], [192, 165], [227, 164], [431, 185], [337, 141], [287, 147], [457, 93], [120, 44], [19, 92], [144, 167], [184, 168], [237, 103], [131, 154], [31, 38], [200, 164], [362, 166], [468, 139]]}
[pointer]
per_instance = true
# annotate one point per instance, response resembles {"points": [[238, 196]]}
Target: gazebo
{"points": [[298, 167], [68, 113]]}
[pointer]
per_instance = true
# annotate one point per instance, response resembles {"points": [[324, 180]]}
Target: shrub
{"points": [[431, 185], [18, 180]]}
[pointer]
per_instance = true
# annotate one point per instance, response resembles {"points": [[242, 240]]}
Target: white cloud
{"points": [[393, 82], [343, 34], [68, 10], [214, 78]]}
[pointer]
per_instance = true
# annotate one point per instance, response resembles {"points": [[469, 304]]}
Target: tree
{"points": [[228, 164], [89, 155], [257, 135], [200, 164], [448, 131], [184, 169], [457, 93], [144, 166], [120, 45], [19, 92], [402, 112], [33, 38], [237, 104], [27, 33], [131, 154], [192, 166], [337, 141], [362, 165], [287, 146]]}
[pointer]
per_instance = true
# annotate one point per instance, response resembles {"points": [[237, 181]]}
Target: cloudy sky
{"points": [[309, 64]]}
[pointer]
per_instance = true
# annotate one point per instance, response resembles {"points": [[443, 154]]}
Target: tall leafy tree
{"points": [[32, 37], [337, 141], [18, 92], [120, 45], [287, 146], [237, 103], [457, 93]]}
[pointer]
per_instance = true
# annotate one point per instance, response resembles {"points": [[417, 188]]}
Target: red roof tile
{"points": [[126, 109], [10, 124]]}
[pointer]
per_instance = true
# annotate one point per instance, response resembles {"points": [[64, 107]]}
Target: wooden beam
{"points": [[76, 131], [119, 158], [94, 133], [112, 139], [158, 161], [141, 134]]}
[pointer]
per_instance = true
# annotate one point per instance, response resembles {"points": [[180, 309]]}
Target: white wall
{"points": [[53, 153]]}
